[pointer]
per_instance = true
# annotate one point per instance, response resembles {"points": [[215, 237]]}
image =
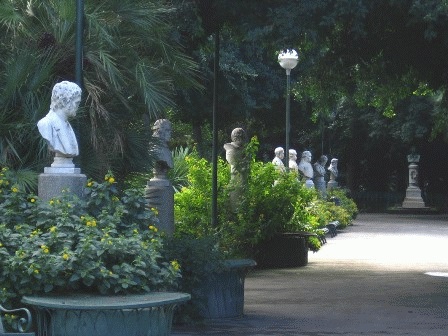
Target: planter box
{"points": [[224, 293], [283, 251], [96, 315]]}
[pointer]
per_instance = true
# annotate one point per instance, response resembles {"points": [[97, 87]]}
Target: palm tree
{"points": [[132, 65]]}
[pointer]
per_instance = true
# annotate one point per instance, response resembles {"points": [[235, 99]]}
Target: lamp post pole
{"points": [[288, 60], [79, 41]]}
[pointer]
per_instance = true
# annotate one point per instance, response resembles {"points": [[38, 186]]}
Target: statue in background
{"points": [[333, 169], [306, 169], [164, 162], [54, 127], [239, 165], [293, 161], [278, 159], [319, 175]]}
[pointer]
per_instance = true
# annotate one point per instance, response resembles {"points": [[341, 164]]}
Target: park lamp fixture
{"points": [[288, 60]]}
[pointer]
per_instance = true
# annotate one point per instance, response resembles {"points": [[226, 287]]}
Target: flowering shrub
{"points": [[106, 243]]}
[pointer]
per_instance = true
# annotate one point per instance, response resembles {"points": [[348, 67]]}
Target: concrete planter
{"points": [[82, 315], [224, 293]]}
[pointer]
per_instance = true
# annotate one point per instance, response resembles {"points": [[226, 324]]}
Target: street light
{"points": [[288, 60]]}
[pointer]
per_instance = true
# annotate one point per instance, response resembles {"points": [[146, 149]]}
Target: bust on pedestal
{"points": [[306, 169], [413, 197], [61, 140], [333, 169], [319, 175], [159, 191]]}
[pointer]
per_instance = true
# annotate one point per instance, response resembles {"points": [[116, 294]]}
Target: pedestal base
{"points": [[52, 184], [159, 194], [413, 198]]}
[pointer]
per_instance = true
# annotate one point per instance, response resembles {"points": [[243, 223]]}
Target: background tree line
{"points": [[370, 84]]}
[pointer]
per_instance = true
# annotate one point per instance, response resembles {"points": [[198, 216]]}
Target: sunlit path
{"points": [[382, 276]]}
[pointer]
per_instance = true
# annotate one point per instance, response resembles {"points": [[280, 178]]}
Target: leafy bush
{"points": [[271, 203], [106, 243]]}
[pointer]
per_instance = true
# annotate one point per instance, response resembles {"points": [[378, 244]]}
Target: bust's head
{"points": [[238, 136], [65, 99], [292, 154], [323, 160], [279, 152], [334, 162], [162, 129], [306, 156]]}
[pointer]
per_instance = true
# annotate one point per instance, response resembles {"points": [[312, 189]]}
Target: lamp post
{"points": [[288, 60]]}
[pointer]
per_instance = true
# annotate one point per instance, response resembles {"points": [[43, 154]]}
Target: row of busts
{"points": [[310, 172]]}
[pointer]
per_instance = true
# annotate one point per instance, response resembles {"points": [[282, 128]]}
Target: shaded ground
{"points": [[371, 279]]}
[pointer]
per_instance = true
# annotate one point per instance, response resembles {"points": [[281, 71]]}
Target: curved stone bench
{"points": [[99, 315]]}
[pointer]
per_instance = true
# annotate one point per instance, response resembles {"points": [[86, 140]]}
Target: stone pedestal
{"points": [[413, 197], [159, 194], [62, 175], [332, 184], [309, 184]]}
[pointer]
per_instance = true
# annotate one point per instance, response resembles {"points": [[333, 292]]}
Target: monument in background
{"points": [[413, 199], [159, 191], [61, 140]]}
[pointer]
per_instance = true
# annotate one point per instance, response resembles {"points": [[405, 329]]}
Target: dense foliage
{"points": [[107, 243], [271, 203]]}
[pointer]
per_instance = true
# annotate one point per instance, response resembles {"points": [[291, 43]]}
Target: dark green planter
{"points": [[283, 251], [95, 315], [224, 292]]}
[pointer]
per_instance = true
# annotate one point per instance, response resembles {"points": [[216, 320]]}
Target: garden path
{"points": [[387, 274]]}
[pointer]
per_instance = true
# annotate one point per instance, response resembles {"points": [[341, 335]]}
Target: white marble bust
{"points": [[54, 127], [279, 156], [333, 169], [305, 166], [293, 161], [235, 155]]}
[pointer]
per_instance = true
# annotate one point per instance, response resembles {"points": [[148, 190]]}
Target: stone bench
{"points": [[99, 315], [23, 321]]}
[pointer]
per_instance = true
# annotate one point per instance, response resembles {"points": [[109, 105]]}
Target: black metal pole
{"points": [[79, 41], [215, 135]]}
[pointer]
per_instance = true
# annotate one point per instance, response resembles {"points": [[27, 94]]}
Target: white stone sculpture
{"points": [[333, 169], [306, 169], [54, 127], [164, 162], [278, 159], [293, 161], [319, 175], [239, 166]]}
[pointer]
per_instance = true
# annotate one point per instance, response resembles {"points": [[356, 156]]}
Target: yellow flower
{"points": [[51, 202], [135, 231], [111, 180], [14, 189], [175, 264], [53, 229], [89, 184], [65, 256], [153, 228], [45, 248], [1, 244], [32, 200], [36, 271]]}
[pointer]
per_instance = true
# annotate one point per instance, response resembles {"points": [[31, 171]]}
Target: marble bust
{"points": [[319, 174], [164, 162], [278, 159], [54, 127], [333, 169], [235, 154], [306, 169], [293, 161]]}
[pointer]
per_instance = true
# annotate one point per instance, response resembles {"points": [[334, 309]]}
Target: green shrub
{"points": [[106, 243]]}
